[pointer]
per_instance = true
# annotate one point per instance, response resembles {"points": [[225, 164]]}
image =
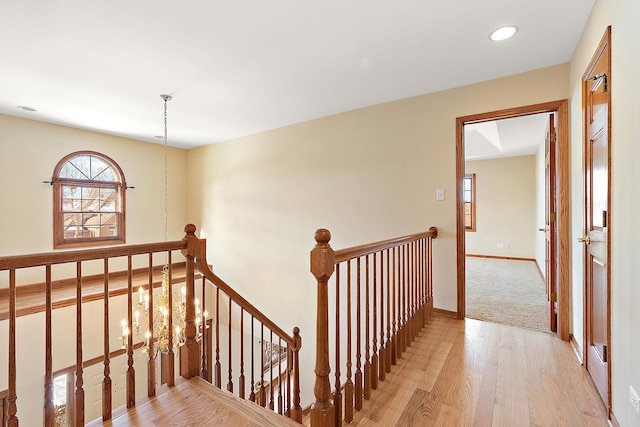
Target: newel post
{"points": [[190, 351], [322, 267]]}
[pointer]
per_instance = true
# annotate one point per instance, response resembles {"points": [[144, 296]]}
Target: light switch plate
{"points": [[440, 194]]}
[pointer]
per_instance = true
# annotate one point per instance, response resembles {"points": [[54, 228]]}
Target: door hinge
{"points": [[554, 297], [602, 76], [604, 353], [604, 218]]}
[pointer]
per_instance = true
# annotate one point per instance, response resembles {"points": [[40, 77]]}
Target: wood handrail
{"points": [[203, 266], [52, 258], [370, 248]]}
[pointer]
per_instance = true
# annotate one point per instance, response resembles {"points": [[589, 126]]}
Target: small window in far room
{"points": [[88, 201], [470, 202]]}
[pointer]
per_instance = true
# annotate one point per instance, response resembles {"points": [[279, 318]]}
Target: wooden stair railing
{"points": [[195, 356], [381, 296], [273, 383]]}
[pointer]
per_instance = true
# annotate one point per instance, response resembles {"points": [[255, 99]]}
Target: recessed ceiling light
{"points": [[503, 33], [25, 108]]}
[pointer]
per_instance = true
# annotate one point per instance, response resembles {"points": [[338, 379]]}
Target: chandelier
{"points": [[162, 309]]}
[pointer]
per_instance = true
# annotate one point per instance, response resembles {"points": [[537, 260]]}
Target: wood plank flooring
{"points": [[473, 373], [197, 403]]}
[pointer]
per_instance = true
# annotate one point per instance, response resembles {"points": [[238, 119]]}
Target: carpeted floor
{"points": [[509, 292]]}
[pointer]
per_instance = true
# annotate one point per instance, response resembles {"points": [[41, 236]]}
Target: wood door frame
{"points": [[561, 108], [605, 43]]}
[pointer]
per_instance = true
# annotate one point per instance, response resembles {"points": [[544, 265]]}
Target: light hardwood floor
{"points": [[196, 403], [473, 373]]}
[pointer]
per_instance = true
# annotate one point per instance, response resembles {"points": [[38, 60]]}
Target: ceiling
{"points": [[518, 136], [239, 67]]}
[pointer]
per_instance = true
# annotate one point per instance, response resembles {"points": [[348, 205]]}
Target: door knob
{"points": [[542, 229], [585, 239]]}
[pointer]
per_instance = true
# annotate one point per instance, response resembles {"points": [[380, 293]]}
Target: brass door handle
{"points": [[585, 239], [542, 229]]}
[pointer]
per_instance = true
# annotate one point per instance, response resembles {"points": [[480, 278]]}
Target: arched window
{"points": [[88, 201]]}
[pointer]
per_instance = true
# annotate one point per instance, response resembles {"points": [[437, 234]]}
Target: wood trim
{"points": [[472, 176], [576, 349], [613, 421], [445, 313], [513, 258], [563, 219]]}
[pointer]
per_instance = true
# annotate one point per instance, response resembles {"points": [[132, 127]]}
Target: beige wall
{"points": [[505, 207], [625, 293], [30, 150], [365, 175]]}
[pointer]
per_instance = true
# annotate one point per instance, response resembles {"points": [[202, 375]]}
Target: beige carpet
{"points": [[509, 292]]}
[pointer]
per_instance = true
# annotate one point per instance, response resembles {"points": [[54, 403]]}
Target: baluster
{"points": [[405, 299], [375, 358], [337, 392], [395, 301], [296, 411], [367, 349], [289, 410], [106, 381], [413, 295], [204, 371], [401, 305], [391, 311], [131, 373], [271, 397], [430, 275], [421, 282], [79, 394], [171, 377], [252, 395], [279, 376], [322, 260], [348, 385], [12, 396], [218, 366], [152, 362], [49, 407], [241, 380], [230, 382], [404, 319], [209, 344], [358, 376], [383, 353], [261, 393]]}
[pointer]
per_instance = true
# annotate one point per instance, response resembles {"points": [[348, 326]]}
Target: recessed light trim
{"points": [[503, 33], [25, 108]]}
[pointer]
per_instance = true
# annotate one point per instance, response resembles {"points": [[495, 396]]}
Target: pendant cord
{"points": [[166, 210]]}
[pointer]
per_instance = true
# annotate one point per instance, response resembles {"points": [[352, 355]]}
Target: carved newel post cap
{"points": [[190, 229], [322, 236], [322, 256]]}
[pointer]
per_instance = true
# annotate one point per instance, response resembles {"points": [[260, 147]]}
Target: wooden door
{"points": [[550, 220], [596, 97]]}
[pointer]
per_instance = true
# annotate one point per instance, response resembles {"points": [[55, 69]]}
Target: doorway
{"points": [[505, 198], [560, 219]]}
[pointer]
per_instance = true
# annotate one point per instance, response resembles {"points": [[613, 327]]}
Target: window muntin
{"points": [[88, 200], [469, 193]]}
